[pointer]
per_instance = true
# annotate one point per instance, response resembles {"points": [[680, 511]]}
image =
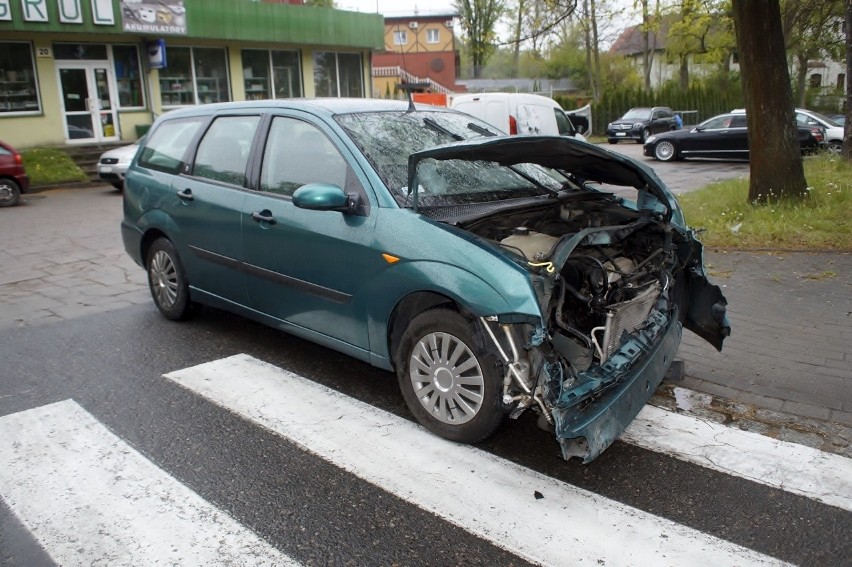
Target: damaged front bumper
{"points": [[603, 401]]}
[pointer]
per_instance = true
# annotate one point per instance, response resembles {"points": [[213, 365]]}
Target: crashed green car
{"points": [[494, 274]]}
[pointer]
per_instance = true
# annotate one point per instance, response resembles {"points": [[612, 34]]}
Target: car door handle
{"points": [[185, 195], [264, 216]]}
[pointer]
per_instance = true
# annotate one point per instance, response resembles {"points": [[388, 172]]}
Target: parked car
{"points": [[113, 164], [833, 130], [518, 113], [724, 137], [640, 123], [493, 274], [13, 176]]}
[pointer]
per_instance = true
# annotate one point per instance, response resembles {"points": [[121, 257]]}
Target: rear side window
{"points": [[166, 146], [224, 149], [739, 121]]}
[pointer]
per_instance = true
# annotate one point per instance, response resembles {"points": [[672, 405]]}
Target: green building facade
{"points": [[92, 71]]}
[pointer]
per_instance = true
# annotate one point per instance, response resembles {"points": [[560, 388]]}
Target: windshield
{"points": [[637, 114], [387, 139]]}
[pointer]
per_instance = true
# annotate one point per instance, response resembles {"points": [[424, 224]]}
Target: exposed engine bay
{"points": [[599, 270]]}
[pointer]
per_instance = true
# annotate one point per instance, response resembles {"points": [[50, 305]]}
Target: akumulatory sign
{"points": [[160, 17]]}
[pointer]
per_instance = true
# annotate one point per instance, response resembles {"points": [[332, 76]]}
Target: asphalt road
{"points": [[76, 323]]}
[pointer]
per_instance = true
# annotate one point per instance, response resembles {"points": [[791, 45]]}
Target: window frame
{"points": [[35, 85], [433, 31], [141, 78], [337, 54], [400, 37], [270, 68]]}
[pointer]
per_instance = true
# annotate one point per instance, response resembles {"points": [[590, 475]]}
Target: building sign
{"points": [[161, 17], [70, 11]]}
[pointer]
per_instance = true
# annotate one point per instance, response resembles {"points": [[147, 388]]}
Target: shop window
{"points": [[195, 75], [271, 74], [433, 36], [18, 88], [128, 76], [338, 74]]}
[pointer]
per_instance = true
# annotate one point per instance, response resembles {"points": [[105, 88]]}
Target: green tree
{"points": [[811, 31], [775, 157], [701, 31], [478, 19]]}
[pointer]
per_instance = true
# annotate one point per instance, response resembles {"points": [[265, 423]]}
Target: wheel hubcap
{"points": [[447, 378], [665, 150], [164, 280], [5, 193]]}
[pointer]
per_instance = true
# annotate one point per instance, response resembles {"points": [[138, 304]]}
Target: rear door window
{"points": [[224, 150], [166, 146]]}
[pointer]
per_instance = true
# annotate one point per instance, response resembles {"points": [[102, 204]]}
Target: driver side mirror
{"points": [[325, 197]]}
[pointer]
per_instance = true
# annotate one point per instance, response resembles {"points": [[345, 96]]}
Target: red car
{"points": [[13, 178]]}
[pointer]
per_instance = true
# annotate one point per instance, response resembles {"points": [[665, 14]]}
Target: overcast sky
{"points": [[397, 7]]}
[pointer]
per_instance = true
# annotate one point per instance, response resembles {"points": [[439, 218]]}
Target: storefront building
{"points": [[92, 71]]}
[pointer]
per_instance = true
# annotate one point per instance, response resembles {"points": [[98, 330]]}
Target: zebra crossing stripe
{"points": [[91, 499], [789, 466], [488, 496]]}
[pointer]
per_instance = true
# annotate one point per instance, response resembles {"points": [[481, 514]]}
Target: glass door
{"points": [[87, 97]]}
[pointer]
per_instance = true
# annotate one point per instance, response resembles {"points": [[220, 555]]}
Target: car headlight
{"points": [[639, 125], [650, 140], [609, 126]]}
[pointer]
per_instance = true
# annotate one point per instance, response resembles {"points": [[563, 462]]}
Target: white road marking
{"points": [[483, 494], [91, 499], [789, 466]]}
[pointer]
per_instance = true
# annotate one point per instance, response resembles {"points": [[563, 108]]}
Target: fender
{"points": [[468, 290]]}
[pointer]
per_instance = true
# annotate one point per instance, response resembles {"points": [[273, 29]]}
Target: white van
{"points": [[518, 113]]}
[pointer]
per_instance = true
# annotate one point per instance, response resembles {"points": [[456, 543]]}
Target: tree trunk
{"points": [[801, 77], [516, 56], [646, 48], [587, 38], [596, 51], [684, 72], [846, 151], [776, 161]]}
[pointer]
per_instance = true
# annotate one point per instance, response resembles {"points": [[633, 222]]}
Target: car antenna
{"points": [[410, 88]]}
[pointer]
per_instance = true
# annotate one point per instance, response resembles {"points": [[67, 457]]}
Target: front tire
{"points": [[448, 377], [10, 193], [665, 150], [167, 280]]}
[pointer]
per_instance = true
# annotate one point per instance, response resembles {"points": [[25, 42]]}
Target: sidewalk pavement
{"points": [[790, 312]]}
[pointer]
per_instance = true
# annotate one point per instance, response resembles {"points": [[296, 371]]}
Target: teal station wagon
{"points": [[494, 274]]}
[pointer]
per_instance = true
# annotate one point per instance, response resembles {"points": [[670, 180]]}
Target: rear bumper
{"points": [[586, 428]]}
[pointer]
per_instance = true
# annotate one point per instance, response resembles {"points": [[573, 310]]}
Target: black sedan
{"points": [[722, 137]]}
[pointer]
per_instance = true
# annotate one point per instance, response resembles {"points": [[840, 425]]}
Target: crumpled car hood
{"points": [[586, 161]]}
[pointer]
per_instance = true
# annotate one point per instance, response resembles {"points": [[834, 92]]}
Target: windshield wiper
{"points": [[480, 130], [534, 181], [432, 125]]}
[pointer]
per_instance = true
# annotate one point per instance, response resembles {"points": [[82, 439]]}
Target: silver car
{"points": [[113, 164]]}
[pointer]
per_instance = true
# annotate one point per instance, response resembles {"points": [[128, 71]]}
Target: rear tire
{"points": [[449, 378], [167, 280], [10, 193]]}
